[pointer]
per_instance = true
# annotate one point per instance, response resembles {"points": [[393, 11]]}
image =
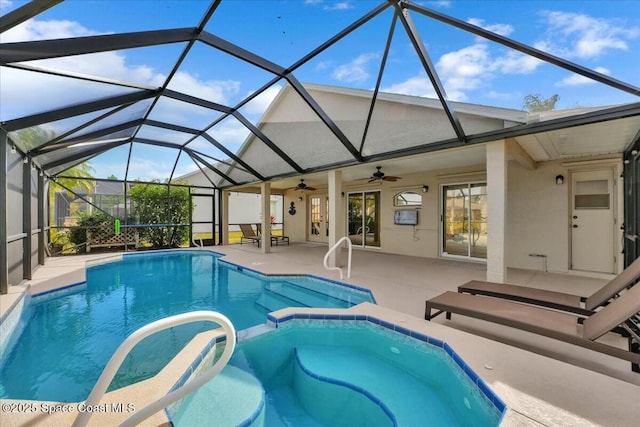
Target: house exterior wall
{"points": [[295, 225], [538, 213], [538, 217], [537, 209]]}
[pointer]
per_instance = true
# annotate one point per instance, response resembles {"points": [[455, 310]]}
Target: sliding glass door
{"points": [[364, 218], [464, 220]]}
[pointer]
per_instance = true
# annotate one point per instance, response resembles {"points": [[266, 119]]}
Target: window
{"points": [[407, 198]]}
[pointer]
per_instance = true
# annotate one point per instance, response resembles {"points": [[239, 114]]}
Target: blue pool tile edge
{"points": [[59, 291], [467, 370]]}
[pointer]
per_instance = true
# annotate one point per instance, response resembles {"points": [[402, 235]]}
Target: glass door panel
{"points": [[363, 218], [478, 221], [354, 221], [371, 222], [319, 218], [464, 220]]}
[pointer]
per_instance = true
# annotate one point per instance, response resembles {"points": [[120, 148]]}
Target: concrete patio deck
{"points": [[542, 381]]}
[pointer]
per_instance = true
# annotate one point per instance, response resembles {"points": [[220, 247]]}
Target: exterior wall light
{"points": [[559, 179], [425, 188]]}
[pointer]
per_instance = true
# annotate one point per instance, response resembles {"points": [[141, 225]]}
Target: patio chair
{"points": [[557, 300], [249, 234], [568, 327], [274, 238]]}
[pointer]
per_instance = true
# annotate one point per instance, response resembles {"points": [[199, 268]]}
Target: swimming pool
{"points": [[64, 338], [341, 373]]}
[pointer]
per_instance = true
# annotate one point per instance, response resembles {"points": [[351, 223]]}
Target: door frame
{"points": [[363, 229], [611, 174], [442, 231], [323, 229]]}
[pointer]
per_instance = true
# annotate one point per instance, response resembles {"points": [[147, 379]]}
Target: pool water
{"points": [[64, 339], [337, 373]]}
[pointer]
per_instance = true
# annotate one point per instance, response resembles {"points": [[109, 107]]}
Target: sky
{"points": [[600, 35]]}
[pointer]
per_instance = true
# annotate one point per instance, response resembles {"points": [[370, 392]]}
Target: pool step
{"points": [[232, 398], [333, 291], [335, 375], [302, 296], [273, 302]]}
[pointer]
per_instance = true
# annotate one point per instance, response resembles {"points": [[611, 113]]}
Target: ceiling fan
{"points": [[302, 187], [380, 176]]}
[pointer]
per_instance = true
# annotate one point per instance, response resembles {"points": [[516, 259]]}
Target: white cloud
{"points": [[579, 80], [22, 90], [230, 133], [41, 30], [220, 91], [463, 70], [145, 169], [502, 29], [515, 63], [356, 70], [467, 69], [261, 102], [583, 36], [323, 65], [5, 4], [419, 85], [341, 5], [441, 3]]}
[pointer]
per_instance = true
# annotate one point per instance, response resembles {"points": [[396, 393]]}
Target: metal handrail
{"points": [[193, 240], [118, 357], [333, 248]]}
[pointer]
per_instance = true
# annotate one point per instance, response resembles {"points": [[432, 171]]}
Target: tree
{"points": [[76, 178], [161, 204], [534, 103]]}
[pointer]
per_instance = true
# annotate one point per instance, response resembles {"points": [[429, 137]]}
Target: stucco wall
{"points": [[537, 221]]}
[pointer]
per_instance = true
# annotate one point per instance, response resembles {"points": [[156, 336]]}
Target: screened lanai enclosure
{"points": [[178, 101]]}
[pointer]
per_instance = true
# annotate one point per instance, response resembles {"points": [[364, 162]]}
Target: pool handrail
{"points": [[333, 248], [118, 357]]}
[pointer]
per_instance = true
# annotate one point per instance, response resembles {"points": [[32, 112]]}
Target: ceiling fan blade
{"points": [[310, 188], [391, 178], [372, 179]]}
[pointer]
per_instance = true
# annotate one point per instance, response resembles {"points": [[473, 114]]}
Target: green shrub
{"points": [[78, 234], [161, 204]]}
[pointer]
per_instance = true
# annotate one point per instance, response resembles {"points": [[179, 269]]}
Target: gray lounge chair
{"points": [[567, 327], [558, 300], [249, 234]]}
